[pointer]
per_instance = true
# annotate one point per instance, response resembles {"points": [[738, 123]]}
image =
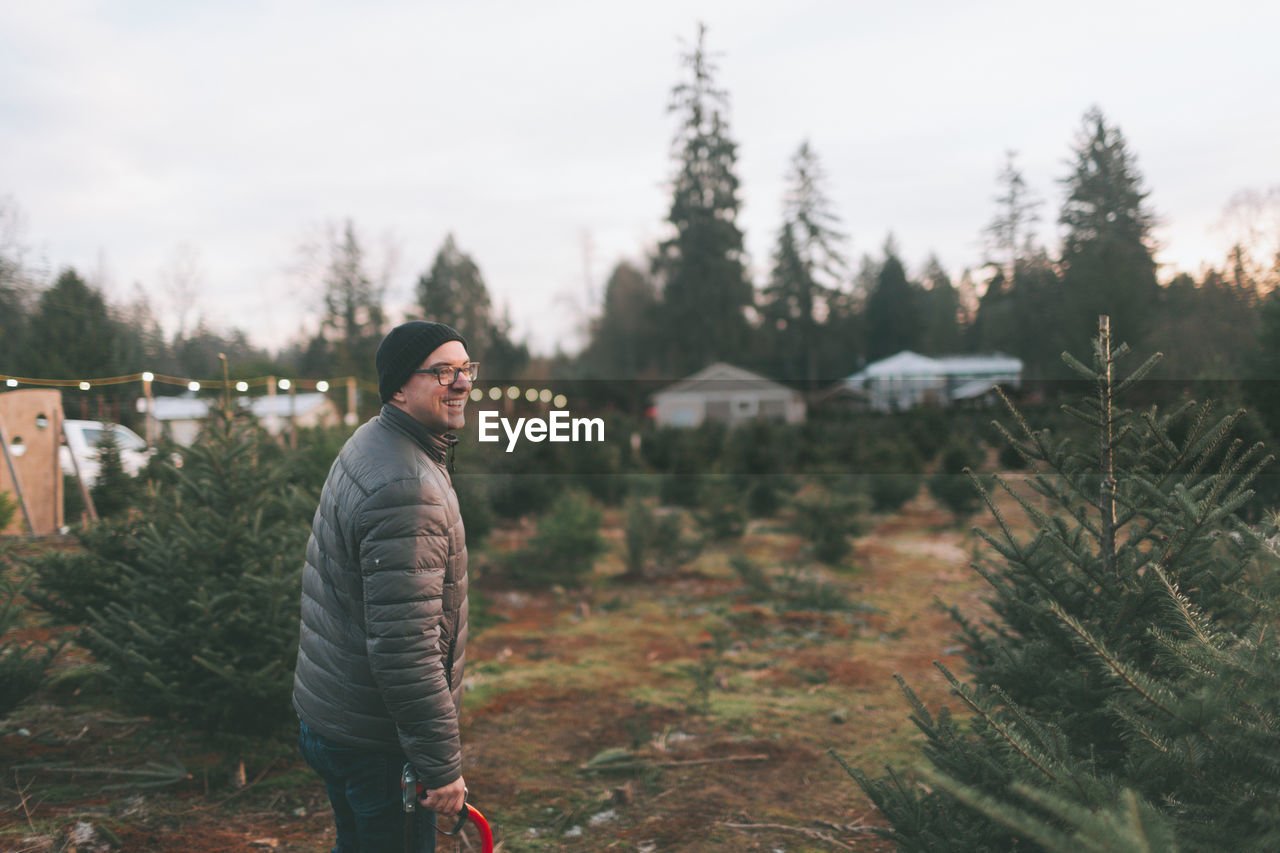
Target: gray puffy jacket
{"points": [[384, 600]]}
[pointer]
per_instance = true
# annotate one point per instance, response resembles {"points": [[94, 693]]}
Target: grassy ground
{"points": [[693, 713]]}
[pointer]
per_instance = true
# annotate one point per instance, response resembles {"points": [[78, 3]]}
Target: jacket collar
{"points": [[439, 446]]}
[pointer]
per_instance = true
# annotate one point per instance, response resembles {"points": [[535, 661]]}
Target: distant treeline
{"points": [[814, 318]]}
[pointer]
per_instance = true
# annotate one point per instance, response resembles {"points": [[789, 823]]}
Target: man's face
{"points": [[435, 406]]}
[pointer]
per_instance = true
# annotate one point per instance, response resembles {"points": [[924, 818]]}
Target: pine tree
{"points": [[1010, 234], [1021, 311], [114, 490], [1023, 316], [73, 315], [624, 337], [941, 332], [1107, 263], [705, 287], [893, 310], [807, 268], [14, 312], [16, 286], [453, 292], [192, 603], [1129, 678], [353, 315], [950, 484]]}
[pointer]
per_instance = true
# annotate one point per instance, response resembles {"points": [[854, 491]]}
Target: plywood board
{"points": [[31, 420]]}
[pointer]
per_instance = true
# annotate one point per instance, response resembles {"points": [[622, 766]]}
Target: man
{"points": [[384, 601]]}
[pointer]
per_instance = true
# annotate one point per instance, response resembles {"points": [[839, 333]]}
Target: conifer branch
{"points": [[1140, 372], [1078, 366], [1113, 665], [1032, 828], [1005, 732], [993, 509], [1184, 607]]}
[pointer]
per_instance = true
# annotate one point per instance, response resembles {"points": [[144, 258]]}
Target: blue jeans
{"points": [[364, 790]]}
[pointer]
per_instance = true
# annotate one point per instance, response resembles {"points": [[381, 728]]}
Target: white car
{"points": [[83, 438]]}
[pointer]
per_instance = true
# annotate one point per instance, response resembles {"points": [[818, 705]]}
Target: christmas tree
{"points": [[1125, 692], [195, 607]]}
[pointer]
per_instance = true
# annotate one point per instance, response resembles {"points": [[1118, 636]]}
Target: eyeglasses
{"points": [[448, 374]]}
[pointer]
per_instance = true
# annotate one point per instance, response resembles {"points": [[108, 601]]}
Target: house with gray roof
{"points": [[727, 394], [908, 379]]}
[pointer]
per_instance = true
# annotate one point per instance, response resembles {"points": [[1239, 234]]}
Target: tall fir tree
{"points": [[941, 332], [1020, 312], [353, 319], [74, 318], [15, 287], [1107, 262], [1128, 677], [1010, 236], [623, 338], [142, 343], [453, 291], [808, 266], [893, 309], [705, 289], [81, 338], [1022, 316]]}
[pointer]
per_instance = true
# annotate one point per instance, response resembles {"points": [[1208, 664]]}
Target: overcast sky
{"points": [[136, 133]]}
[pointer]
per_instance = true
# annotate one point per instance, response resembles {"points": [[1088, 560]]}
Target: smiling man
{"points": [[384, 602]]}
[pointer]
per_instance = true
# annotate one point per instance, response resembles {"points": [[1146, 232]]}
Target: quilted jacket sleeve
{"points": [[403, 558]]}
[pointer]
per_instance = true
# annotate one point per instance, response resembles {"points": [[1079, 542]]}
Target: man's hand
{"points": [[448, 800]]}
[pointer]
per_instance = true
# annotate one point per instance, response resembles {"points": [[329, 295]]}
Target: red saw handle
{"points": [[482, 826]]}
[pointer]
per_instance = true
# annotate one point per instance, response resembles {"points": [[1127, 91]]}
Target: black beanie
{"points": [[404, 349]]}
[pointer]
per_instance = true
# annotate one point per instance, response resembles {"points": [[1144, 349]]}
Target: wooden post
{"points": [[293, 415], [149, 422], [271, 421], [226, 383], [352, 417]]}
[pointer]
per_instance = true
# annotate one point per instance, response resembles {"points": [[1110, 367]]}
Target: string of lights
{"points": [[244, 386], [147, 377]]}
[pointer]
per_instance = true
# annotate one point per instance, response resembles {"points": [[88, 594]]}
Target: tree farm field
{"points": [[680, 714]]}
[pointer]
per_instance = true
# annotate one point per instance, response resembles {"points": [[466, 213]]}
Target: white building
{"points": [[909, 379], [729, 395], [180, 417]]}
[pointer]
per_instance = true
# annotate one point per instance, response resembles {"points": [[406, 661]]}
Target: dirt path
{"points": [[561, 683]]}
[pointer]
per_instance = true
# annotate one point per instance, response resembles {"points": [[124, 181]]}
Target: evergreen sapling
{"points": [[1125, 692], [195, 610]]}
